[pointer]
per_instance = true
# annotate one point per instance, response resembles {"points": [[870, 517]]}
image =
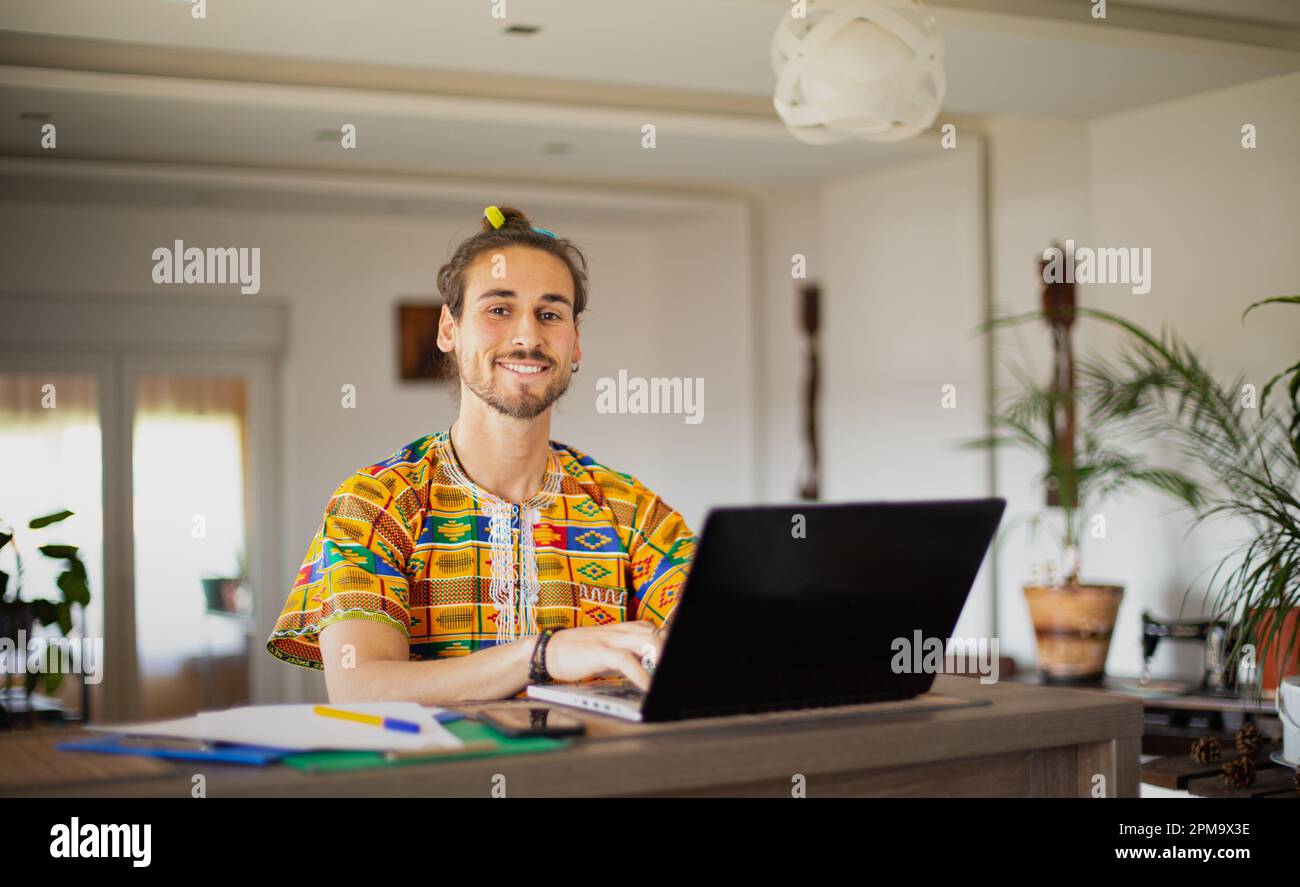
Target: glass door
{"points": [[51, 445], [160, 431], [156, 457], [193, 594]]}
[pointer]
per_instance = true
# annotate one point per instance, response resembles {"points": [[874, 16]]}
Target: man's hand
{"points": [[577, 653]]}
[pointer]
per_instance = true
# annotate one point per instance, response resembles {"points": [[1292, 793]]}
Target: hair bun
{"points": [[513, 219]]}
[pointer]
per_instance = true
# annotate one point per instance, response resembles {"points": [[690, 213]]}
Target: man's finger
{"points": [[630, 666], [640, 645]]}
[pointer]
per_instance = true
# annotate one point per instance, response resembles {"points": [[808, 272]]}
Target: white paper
{"points": [[298, 727]]}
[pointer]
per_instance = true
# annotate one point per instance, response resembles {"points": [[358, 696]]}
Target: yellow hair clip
{"points": [[495, 216]]}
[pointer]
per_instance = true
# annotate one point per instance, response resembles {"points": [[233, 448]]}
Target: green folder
{"points": [[486, 742]]}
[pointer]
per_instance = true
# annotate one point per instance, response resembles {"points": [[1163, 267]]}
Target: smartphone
{"points": [[520, 720]]}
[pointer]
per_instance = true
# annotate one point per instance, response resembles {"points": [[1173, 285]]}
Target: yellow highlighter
{"points": [[375, 720]]}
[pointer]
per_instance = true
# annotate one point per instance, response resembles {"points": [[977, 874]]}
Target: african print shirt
{"points": [[414, 543]]}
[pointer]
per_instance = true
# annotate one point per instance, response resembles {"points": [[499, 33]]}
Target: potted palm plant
{"points": [[1250, 449], [1073, 618]]}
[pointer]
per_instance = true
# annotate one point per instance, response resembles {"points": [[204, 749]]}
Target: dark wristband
{"points": [[537, 672]]}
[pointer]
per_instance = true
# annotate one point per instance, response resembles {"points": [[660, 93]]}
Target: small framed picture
{"points": [[417, 330]]}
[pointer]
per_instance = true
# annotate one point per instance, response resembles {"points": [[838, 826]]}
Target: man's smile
{"points": [[523, 367]]}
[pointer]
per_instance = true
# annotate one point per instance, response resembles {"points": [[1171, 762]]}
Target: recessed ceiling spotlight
{"points": [[523, 30], [327, 135], [558, 148], [38, 116]]}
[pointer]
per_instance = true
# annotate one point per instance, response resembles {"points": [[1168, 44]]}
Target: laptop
{"points": [[799, 606]]}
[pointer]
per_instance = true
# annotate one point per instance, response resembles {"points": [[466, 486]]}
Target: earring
{"points": [[575, 368]]}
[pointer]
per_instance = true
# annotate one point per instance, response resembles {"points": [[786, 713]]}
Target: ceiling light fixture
{"points": [[858, 69]]}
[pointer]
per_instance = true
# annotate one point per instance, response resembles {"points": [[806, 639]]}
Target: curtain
{"points": [[26, 402]]}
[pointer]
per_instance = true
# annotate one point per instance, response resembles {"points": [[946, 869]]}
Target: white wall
{"points": [[788, 224], [683, 310], [903, 283]]}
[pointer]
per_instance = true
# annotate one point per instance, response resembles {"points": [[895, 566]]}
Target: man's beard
{"points": [[526, 404]]}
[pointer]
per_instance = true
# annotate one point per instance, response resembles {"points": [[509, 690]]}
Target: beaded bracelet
{"points": [[537, 672]]}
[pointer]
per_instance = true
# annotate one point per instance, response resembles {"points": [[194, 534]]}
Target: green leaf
{"points": [[75, 590], [4, 583], [985, 443], [1171, 483], [76, 567], [59, 551], [44, 611], [1263, 397], [1294, 300], [52, 681], [63, 614], [38, 523], [4, 539]]}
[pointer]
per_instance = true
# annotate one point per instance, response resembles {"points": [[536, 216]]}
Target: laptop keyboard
{"points": [[624, 692]]}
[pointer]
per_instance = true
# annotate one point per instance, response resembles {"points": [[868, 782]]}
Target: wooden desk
{"points": [[1023, 741], [1176, 717]]}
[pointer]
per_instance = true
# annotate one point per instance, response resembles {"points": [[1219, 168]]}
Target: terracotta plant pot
{"points": [[1273, 666], [1073, 625]]}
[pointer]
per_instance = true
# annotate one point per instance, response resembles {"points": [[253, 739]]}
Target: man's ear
{"points": [[446, 331], [577, 343]]}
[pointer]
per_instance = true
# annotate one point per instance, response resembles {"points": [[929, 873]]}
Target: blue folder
{"points": [[223, 752]]}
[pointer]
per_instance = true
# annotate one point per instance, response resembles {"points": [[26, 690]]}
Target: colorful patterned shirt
{"points": [[412, 542]]}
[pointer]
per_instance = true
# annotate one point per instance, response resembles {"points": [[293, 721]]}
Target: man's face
{"points": [[516, 339]]}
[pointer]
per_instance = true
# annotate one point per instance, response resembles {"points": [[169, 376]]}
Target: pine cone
{"points": [[1239, 773], [1249, 739], [1206, 750]]}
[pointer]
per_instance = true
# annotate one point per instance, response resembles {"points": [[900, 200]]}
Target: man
{"points": [[478, 559]]}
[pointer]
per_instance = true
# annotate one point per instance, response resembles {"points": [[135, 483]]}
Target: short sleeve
{"points": [[355, 567], [661, 550]]}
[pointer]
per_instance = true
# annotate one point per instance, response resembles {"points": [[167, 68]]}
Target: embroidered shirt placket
{"points": [[515, 590]]}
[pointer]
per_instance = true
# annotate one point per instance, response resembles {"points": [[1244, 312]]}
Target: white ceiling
{"points": [[1003, 57], [709, 45]]}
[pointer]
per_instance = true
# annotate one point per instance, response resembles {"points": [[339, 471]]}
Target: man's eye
{"points": [[545, 315]]}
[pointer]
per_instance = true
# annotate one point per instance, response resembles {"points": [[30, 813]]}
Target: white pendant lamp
{"points": [[858, 69]]}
